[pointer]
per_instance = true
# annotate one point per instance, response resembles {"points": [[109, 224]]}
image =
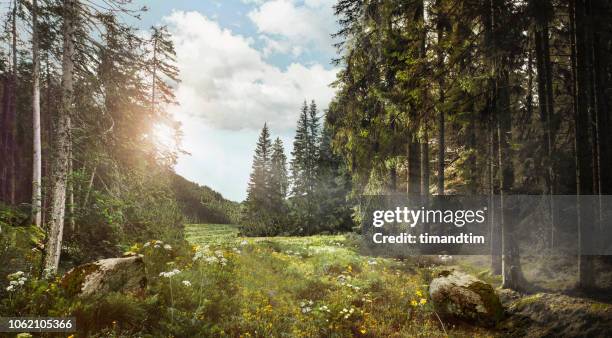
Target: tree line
{"points": [[491, 97], [308, 197]]}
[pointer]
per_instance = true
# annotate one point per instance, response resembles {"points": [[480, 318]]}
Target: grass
{"points": [[320, 286]]}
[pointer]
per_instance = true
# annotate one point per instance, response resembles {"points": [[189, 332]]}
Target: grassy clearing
{"points": [[318, 286]]}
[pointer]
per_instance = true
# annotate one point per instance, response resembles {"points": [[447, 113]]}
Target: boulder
{"points": [[126, 275], [461, 296]]}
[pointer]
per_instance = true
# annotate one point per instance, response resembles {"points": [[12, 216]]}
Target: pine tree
{"points": [[279, 180], [258, 193], [299, 165], [279, 183], [312, 150]]}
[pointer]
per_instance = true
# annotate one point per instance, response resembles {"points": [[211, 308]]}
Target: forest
{"points": [[433, 99]]}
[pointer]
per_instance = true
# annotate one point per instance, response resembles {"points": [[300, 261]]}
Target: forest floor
{"points": [[322, 286]]}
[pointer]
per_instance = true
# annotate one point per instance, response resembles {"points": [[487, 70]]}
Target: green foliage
{"points": [[201, 204]]}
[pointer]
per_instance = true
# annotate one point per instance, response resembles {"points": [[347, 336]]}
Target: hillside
{"points": [[201, 204]]}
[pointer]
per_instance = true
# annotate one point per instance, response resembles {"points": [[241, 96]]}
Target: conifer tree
{"points": [[299, 165], [279, 183], [258, 193], [279, 180], [312, 150]]}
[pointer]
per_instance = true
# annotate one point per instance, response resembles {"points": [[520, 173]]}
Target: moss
{"points": [[598, 307], [527, 300], [489, 299], [20, 249], [73, 281]]}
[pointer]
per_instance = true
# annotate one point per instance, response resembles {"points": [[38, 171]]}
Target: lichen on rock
{"points": [[114, 274], [459, 295]]}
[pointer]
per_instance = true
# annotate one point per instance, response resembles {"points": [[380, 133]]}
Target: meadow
{"points": [[309, 287]]}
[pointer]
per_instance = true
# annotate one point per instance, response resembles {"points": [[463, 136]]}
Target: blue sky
{"points": [[243, 63]]}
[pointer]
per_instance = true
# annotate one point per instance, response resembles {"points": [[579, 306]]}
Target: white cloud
{"points": [[226, 81], [288, 22]]}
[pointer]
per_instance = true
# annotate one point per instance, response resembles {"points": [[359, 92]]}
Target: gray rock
{"points": [[125, 275], [461, 296]]}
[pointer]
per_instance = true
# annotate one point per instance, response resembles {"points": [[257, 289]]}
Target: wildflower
{"points": [[414, 303], [419, 293], [372, 262], [244, 242], [167, 247], [423, 301], [186, 283], [146, 244], [10, 288], [363, 330], [170, 273]]}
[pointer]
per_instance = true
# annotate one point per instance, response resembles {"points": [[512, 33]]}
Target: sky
{"points": [[243, 63]]}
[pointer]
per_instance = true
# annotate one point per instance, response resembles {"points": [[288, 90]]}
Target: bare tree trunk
{"points": [[496, 258], [584, 148], [414, 170], [512, 275], [542, 10], [12, 111], [59, 174], [89, 187], [425, 166], [36, 143], [71, 206], [441, 98]]}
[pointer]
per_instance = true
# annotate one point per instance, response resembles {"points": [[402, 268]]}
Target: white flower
{"points": [[211, 260], [244, 242], [10, 288], [372, 262], [186, 283], [146, 244], [167, 247], [170, 273]]}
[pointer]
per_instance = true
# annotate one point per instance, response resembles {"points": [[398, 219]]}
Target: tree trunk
{"points": [[541, 12], [441, 99], [425, 166], [36, 143], [583, 146], [414, 167], [59, 174], [496, 258]]}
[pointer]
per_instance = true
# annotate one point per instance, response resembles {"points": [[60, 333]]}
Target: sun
{"points": [[164, 137]]}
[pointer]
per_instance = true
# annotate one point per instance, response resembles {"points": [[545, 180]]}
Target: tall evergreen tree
{"points": [[279, 178], [279, 183], [299, 164], [258, 193]]}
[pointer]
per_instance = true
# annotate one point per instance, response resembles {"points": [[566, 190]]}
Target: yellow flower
{"points": [[363, 330], [419, 293], [413, 302], [423, 301]]}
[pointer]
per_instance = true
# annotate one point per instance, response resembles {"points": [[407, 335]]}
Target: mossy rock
{"points": [[458, 295], [126, 275]]}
